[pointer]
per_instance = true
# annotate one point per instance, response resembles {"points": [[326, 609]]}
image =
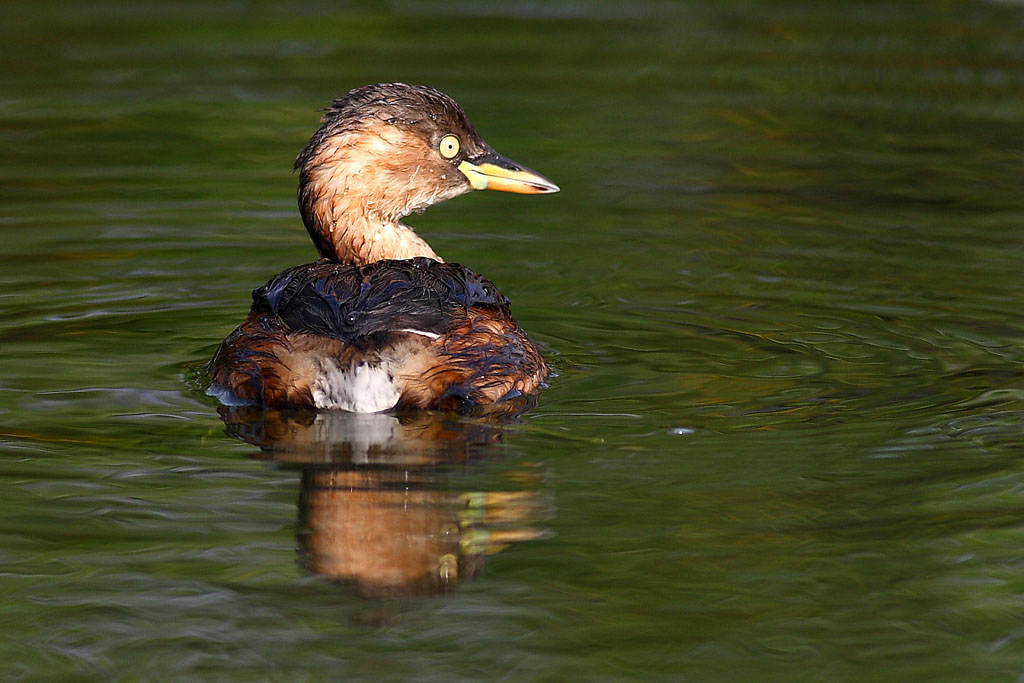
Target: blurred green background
{"points": [[780, 287]]}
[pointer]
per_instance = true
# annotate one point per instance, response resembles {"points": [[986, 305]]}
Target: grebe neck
{"points": [[354, 238]]}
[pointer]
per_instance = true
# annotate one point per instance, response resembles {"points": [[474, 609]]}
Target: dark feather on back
{"points": [[363, 305]]}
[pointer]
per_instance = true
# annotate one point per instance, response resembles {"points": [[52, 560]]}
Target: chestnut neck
{"points": [[357, 239]]}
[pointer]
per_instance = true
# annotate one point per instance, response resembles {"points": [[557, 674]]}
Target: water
{"points": [[780, 288]]}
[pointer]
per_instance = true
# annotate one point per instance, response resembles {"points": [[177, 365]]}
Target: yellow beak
{"points": [[494, 172]]}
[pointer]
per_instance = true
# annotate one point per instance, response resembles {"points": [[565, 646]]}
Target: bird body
{"points": [[380, 321]]}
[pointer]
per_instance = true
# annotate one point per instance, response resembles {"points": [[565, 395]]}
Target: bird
{"points": [[381, 322]]}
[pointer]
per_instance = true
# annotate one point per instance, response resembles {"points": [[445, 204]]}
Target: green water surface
{"points": [[781, 288]]}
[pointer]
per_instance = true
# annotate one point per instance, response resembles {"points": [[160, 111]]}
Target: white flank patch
{"points": [[361, 388], [424, 333]]}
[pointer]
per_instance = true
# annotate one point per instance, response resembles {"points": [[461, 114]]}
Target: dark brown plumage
{"points": [[381, 322]]}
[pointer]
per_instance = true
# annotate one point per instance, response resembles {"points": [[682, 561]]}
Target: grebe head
{"points": [[384, 151]]}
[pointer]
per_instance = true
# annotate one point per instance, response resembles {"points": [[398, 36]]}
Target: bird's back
{"points": [[412, 333]]}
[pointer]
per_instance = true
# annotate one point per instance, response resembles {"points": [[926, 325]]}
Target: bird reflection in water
{"points": [[377, 507]]}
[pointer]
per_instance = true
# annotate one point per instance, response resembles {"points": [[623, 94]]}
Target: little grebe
{"points": [[381, 321]]}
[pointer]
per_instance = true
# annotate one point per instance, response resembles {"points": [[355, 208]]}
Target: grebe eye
{"points": [[449, 146]]}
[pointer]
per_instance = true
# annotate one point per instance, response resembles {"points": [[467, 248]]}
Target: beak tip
{"points": [[498, 173]]}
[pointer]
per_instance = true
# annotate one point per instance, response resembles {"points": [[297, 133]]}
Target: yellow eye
{"points": [[449, 146]]}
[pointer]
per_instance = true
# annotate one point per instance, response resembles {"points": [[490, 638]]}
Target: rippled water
{"points": [[781, 288]]}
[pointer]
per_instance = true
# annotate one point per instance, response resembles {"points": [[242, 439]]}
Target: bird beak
{"points": [[491, 171]]}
